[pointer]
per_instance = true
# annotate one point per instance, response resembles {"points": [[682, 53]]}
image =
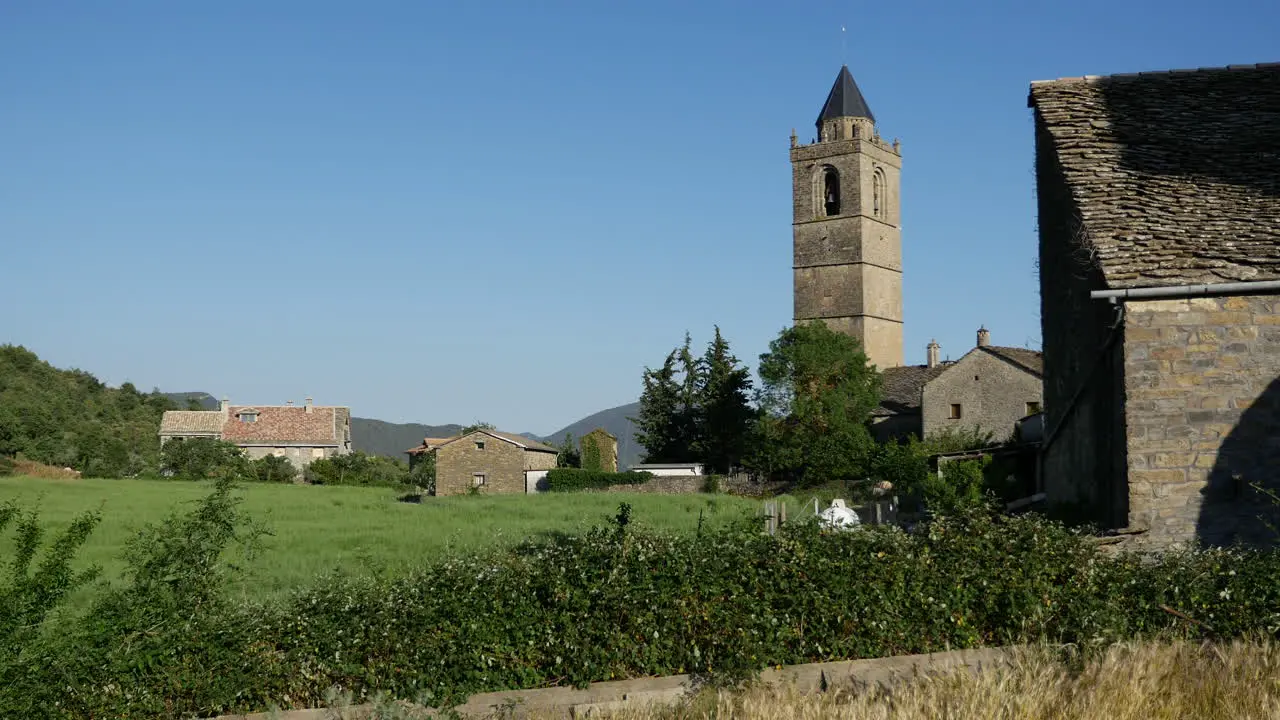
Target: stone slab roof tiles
{"points": [[191, 422], [1030, 360], [1175, 175], [283, 425], [900, 388]]}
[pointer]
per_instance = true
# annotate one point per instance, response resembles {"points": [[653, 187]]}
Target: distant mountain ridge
{"points": [[617, 421], [378, 437]]}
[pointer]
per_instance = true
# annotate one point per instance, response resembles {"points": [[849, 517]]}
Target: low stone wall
{"points": [[611, 696]]}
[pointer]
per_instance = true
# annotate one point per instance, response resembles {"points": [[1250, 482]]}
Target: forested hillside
{"points": [[68, 418]]}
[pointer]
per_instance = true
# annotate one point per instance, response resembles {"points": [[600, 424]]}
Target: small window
{"points": [[479, 444], [477, 479], [877, 193], [1033, 408], [956, 411], [249, 417]]}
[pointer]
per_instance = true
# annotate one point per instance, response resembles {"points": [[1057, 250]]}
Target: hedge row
{"points": [[619, 602], [575, 479]]}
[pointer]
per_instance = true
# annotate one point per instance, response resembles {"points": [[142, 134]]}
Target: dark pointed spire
{"points": [[844, 100]]}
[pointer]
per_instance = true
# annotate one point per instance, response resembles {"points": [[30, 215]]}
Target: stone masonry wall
{"points": [[992, 394], [1202, 386], [500, 461]]}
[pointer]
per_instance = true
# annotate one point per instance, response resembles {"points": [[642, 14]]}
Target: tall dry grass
{"points": [[1239, 681]]}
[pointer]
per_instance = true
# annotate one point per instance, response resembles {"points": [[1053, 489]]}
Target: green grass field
{"points": [[318, 530]]}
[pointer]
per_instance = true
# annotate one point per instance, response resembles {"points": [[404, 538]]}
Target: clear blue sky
{"points": [[450, 211]]}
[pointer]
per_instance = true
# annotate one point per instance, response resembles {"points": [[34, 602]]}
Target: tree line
{"points": [[807, 422]]}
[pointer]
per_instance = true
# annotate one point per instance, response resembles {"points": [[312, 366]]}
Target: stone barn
{"points": [[1159, 215]]}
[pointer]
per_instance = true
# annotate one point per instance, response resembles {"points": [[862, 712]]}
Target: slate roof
{"points": [[844, 100], [283, 424], [191, 422], [514, 439], [522, 441], [1030, 360], [427, 444], [1175, 175], [900, 388]]}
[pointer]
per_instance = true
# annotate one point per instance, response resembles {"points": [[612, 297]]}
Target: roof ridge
{"points": [[1082, 79]]}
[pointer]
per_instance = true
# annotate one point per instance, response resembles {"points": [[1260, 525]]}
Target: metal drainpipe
{"points": [[1116, 297], [1174, 291]]}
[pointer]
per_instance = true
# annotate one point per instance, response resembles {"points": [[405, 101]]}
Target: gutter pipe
{"points": [[1257, 286]]}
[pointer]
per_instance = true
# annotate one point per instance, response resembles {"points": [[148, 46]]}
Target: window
{"points": [[477, 479], [1033, 408], [877, 193], [956, 411], [248, 417], [479, 444], [831, 192]]}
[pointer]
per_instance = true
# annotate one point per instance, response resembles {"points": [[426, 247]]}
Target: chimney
{"points": [[932, 353], [225, 405], [308, 404], [984, 336]]}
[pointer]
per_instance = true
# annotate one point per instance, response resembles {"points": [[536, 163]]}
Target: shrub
{"points": [[614, 602], [6, 465], [27, 595], [357, 468], [574, 479], [273, 469], [202, 458], [959, 486]]}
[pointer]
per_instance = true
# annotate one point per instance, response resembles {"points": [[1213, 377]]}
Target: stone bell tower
{"points": [[846, 226]]}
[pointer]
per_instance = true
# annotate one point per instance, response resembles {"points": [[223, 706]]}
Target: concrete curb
{"points": [[618, 694]]}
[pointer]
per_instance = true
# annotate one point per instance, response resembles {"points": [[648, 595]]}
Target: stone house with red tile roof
{"points": [[489, 461], [990, 388], [1159, 217], [299, 433]]}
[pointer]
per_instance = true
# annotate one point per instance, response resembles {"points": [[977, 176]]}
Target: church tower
{"points": [[846, 226]]}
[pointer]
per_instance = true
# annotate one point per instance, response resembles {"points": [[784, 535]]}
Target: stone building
{"points": [[606, 443], [1159, 214], [301, 434], [846, 226], [989, 389], [491, 461]]}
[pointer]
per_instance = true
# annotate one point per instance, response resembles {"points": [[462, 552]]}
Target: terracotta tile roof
{"points": [[901, 388], [1173, 174], [1030, 360], [284, 424], [190, 422]]}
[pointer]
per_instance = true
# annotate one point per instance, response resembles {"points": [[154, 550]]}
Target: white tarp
{"points": [[839, 516]]}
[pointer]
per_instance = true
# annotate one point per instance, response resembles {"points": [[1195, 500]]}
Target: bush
{"points": [[358, 468], [574, 479], [273, 469], [615, 602], [27, 596], [6, 465], [202, 458]]}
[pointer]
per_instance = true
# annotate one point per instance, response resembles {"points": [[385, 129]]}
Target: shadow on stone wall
{"points": [[1157, 117], [1250, 455]]}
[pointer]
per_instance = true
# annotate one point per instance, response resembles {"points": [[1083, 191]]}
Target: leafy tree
{"points": [[477, 426], [725, 410], [817, 393], [357, 468], [202, 458], [423, 473], [274, 469], [568, 455]]}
